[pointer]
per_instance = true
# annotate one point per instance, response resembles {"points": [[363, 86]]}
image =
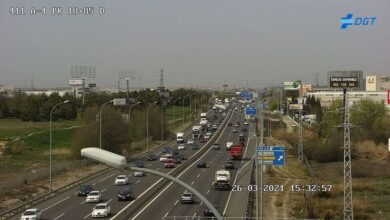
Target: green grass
{"points": [[170, 114]]}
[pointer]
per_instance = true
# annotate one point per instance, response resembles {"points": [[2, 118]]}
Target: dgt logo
{"points": [[348, 20]]}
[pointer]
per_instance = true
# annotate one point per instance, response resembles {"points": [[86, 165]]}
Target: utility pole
{"points": [[348, 206], [300, 140]]}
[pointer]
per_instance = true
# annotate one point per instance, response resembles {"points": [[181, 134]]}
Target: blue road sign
{"points": [[250, 111], [271, 155]]}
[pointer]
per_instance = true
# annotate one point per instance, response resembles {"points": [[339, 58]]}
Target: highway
{"points": [[156, 198]]}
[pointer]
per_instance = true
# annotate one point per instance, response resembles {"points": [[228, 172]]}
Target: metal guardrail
{"points": [[19, 209], [251, 195]]}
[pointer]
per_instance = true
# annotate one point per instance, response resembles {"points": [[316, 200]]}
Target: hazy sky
{"points": [[197, 42]]}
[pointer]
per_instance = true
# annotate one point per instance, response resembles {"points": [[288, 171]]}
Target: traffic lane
{"points": [[163, 200]]}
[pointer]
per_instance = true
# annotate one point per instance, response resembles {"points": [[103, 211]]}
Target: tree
{"points": [[381, 129]]}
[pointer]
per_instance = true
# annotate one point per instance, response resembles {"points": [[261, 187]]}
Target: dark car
{"points": [[138, 163], [202, 140], [175, 152], [84, 190], [241, 137], [237, 124], [201, 164], [215, 146], [125, 194], [177, 159], [166, 150], [229, 165], [183, 156], [230, 124], [244, 129], [195, 147], [151, 157], [207, 212]]}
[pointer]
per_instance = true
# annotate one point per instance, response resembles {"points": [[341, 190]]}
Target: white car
{"points": [[101, 210], [190, 141], [246, 123], [228, 145], [181, 147], [94, 196], [139, 174], [164, 157], [31, 214], [121, 180]]}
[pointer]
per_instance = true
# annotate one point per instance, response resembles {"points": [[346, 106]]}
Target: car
{"points": [[293, 125], [176, 159], [84, 190], [94, 196], [235, 108], [183, 156], [209, 213], [175, 152], [138, 163], [229, 164], [195, 147], [206, 136], [190, 141], [151, 157], [215, 146], [246, 123], [101, 210], [121, 180], [187, 197], [244, 129], [234, 131], [181, 147], [241, 137], [230, 124], [228, 145], [201, 164], [202, 140], [125, 194], [215, 127], [165, 157], [30, 214], [169, 163], [166, 150], [138, 174]]}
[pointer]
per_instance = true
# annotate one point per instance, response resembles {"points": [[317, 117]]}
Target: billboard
{"points": [[350, 73], [75, 82], [371, 83], [294, 85], [343, 82]]}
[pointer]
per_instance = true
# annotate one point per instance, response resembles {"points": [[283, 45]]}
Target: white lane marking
{"points": [[201, 203], [109, 200], [177, 201], [103, 190], [55, 204], [158, 169], [198, 175], [83, 202], [88, 215], [194, 216], [159, 180], [166, 214], [59, 216], [208, 191], [138, 181], [93, 184], [106, 177], [192, 182], [203, 170]]}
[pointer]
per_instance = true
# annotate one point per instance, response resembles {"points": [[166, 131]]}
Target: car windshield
{"points": [[84, 187], [29, 213], [101, 207], [93, 193], [121, 177]]}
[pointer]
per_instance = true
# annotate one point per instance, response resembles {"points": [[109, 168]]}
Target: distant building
{"points": [[6, 89], [377, 83]]}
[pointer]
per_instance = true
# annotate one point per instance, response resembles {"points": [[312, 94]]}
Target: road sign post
{"points": [[271, 155]]}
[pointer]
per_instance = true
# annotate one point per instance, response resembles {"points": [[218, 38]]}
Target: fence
{"points": [[251, 195]]}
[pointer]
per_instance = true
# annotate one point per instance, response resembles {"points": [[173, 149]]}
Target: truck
{"points": [[180, 137], [196, 132], [222, 180], [236, 151]]}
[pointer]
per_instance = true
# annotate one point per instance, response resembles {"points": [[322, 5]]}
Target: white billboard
{"points": [[371, 84], [75, 82]]}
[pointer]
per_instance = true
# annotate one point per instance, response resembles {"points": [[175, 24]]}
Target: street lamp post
{"points": [[183, 106], [100, 123], [147, 125], [174, 109], [50, 151], [128, 126]]}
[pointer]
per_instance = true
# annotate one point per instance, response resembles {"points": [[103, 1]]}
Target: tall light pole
{"points": [[147, 125], [128, 126], [100, 123], [162, 121], [50, 151], [183, 106]]}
